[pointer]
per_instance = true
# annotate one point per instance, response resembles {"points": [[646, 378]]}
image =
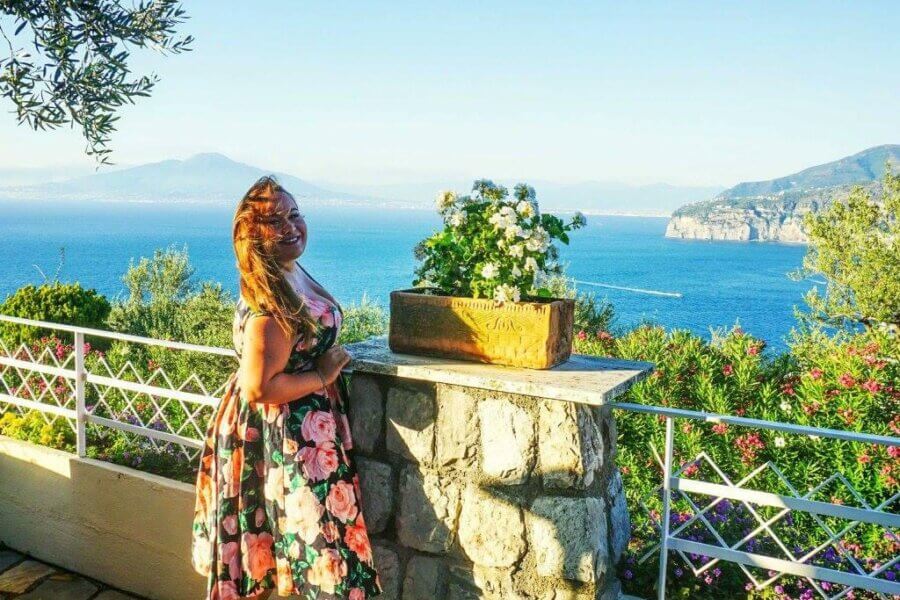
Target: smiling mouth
{"points": [[289, 241]]}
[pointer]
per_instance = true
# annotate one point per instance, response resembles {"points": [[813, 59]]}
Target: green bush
{"points": [[362, 321], [165, 302], [847, 381], [57, 302]]}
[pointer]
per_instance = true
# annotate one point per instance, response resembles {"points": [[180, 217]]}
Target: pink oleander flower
{"points": [[581, 335], [847, 380], [815, 373], [728, 370], [871, 386]]}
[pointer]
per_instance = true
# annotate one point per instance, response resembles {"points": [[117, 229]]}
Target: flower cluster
{"points": [[492, 245], [847, 382]]}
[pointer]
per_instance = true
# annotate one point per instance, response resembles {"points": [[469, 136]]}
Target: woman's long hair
{"points": [[262, 282]]}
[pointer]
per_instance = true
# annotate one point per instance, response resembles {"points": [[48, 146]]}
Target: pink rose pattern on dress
{"points": [[278, 504]]}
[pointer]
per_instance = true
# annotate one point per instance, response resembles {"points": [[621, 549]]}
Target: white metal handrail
{"points": [[798, 567], [82, 377], [671, 482]]}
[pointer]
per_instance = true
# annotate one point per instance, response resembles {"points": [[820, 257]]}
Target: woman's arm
{"points": [[264, 354]]}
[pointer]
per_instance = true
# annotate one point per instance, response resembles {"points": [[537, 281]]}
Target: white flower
{"points": [[514, 231], [531, 264], [517, 251], [501, 221], [489, 271], [500, 243], [445, 200], [525, 209], [785, 406], [814, 438], [779, 442], [505, 293], [457, 218], [516, 271]]}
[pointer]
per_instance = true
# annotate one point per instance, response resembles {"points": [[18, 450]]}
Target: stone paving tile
{"points": [[18, 579], [62, 587], [8, 558]]}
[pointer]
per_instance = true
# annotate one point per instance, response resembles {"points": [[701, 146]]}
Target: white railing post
{"points": [[80, 410], [667, 495]]}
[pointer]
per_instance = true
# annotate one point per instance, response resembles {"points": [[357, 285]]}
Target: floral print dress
{"points": [[278, 501]]}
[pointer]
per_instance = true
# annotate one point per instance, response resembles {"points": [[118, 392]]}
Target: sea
{"points": [[356, 252]]}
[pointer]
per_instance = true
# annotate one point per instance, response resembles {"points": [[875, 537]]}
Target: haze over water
{"points": [[356, 251]]}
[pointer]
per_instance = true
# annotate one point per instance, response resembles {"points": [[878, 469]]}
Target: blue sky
{"points": [[384, 92]]}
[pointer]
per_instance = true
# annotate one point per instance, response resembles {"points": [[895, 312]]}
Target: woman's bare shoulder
{"points": [[262, 331]]}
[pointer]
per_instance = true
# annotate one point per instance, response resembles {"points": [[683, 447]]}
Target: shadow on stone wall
{"points": [[469, 493]]}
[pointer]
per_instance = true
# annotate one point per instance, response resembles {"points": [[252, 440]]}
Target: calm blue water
{"points": [[355, 251]]}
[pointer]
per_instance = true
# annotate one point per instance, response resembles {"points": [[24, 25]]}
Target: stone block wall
{"points": [[470, 493]]}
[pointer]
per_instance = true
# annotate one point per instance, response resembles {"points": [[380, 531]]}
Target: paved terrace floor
{"points": [[24, 578]]}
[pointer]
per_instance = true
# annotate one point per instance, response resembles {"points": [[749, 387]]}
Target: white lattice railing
{"points": [[67, 400], [829, 583], [149, 403]]}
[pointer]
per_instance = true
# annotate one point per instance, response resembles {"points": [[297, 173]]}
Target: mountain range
{"points": [[214, 178], [774, 210]]}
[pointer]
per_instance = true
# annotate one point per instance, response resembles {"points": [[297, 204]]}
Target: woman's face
{"points": [[288, 229]]}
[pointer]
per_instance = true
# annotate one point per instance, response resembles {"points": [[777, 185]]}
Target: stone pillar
{"points": [[479, 492]]}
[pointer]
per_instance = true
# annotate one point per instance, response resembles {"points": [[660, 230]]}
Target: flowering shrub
{"points": [[850, 381], [492, 246]]}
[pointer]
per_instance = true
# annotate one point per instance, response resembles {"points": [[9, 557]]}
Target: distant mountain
{"points": [[774, 210], [202, 178], [597, 197], [216, 178]]}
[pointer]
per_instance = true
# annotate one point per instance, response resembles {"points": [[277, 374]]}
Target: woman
{"points": [[278, 503]]}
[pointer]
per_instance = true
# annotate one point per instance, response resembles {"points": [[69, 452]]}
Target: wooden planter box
{"points": [[535, 334]]}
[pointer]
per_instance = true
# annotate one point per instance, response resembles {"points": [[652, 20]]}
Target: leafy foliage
{"points": [[850, 381], [80, 73], [492, 246], [855, 245], [165, 302], [362, 321], [57, 302]]}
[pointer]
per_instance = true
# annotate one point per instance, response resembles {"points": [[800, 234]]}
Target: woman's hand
{"points": [[329, 365]]}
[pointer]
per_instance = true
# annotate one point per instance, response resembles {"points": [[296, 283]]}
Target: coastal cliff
{"points": [[774, 210], [738, 226]]}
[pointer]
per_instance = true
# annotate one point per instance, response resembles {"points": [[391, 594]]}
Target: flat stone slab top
{"points": [[583, 379]]}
